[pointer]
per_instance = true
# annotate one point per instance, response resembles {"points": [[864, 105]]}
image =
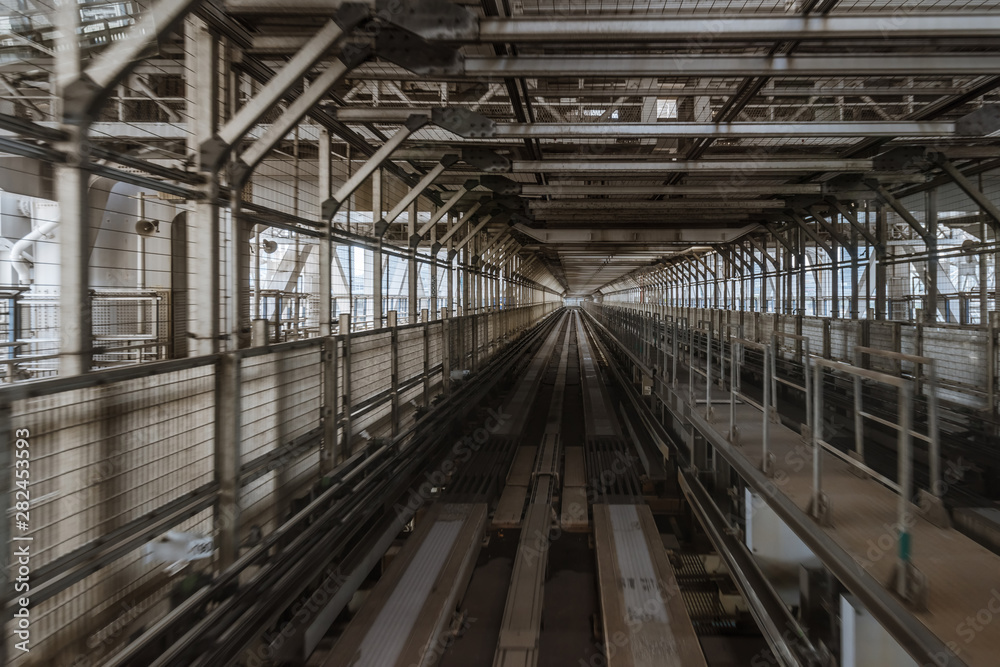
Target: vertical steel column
{"points": [[882, 236], [72, 181], [905, 476], [329, 454], [931, 289], [412, 301], [446, 350], [325, 243], [425, 318], [393, 371], [204, 299], [378, 282], [227, 457], [345, 401], [433, 305], [817, 449]]}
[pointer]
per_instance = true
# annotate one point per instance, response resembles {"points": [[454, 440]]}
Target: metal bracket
{"points": [[983, 122], [903, 158], [415, 54], [212, 153], [485, 160], [823, 512], [463, 122], [501, 185], [430, 19], [915, 585], [80, 98]]}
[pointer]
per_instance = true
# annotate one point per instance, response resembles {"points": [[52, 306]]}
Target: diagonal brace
{"points": [[83, 97], [438, 214], [215, 150], [975, 193], [333, 204], [853, 220], [295, 112], [898, 207], [383, 224]]}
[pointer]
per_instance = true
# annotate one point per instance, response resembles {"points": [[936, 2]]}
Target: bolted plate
{"points": [[431, 19], [901, 159], [464, 123], [982, 122], [485, 160], [416, 54], [501, 185]]}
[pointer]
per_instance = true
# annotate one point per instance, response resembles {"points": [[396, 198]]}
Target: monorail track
{"points": [[567, 550]]}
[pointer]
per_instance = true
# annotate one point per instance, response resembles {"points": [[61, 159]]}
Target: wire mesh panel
{"points": [[102, 459], [280, 401]]}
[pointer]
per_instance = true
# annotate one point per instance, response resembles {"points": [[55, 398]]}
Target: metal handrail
{"points": [[933, 435], [804, 358], [737, 348], [904, 484]]}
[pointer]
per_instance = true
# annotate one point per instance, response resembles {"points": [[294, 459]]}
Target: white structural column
{"points": [[326, 243], [203, 221], [412, 265], [72, 180]]}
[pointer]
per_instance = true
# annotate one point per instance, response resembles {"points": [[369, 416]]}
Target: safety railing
{"points": [[926, 383], [819, 507], [737, 348], [802, 352]]}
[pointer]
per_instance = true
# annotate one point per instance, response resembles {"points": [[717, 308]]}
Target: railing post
{"points": [[765, 462], [329, 455], [425, 318], [905, 472], [345, 401], [446, 350], [227, 457], [815, 508], [393, 371]]}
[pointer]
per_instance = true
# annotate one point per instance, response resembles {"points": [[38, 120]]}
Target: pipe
{"points": [[17, 260]]}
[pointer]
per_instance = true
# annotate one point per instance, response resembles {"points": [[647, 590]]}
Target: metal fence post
{"points": [[227, 457], [345, 401]]}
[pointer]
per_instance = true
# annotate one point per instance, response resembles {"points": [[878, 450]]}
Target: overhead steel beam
{"points": [[666, 205], [852, 219], [640, 28], [701, 236], [722, 189], [472, 232], [811, 233], [898, 207], [681, 129], [383, 224], [333, 204], [751, 164], [682, 65]]}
